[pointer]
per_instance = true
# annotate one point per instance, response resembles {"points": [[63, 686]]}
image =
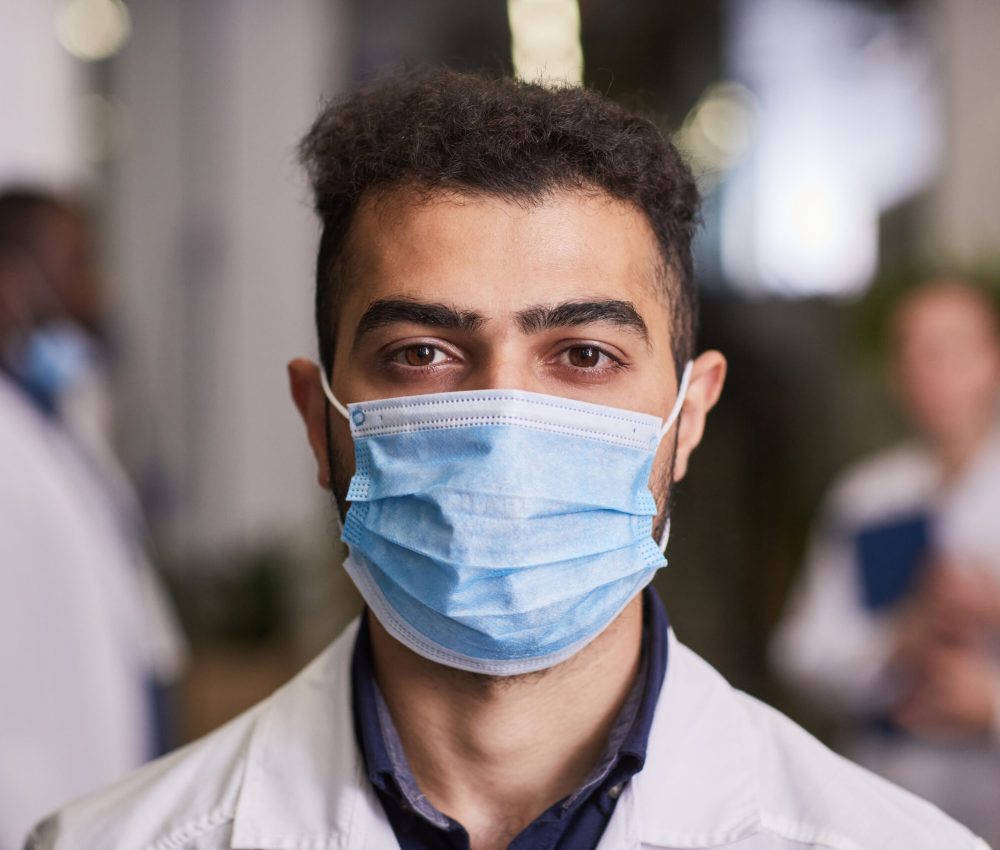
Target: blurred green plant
{"points": [[242, 595]]}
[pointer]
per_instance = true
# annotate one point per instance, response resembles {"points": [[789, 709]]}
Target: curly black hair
{"points": [[442, 130]]}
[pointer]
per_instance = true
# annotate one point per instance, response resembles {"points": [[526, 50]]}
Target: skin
{"points": [[63, 251], [946, 368], [946, 372], [494, 753], [53, 277], [13, 313]]}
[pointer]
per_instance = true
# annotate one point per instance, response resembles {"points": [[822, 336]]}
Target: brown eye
{"points": [[419, 355], [585, 356]]}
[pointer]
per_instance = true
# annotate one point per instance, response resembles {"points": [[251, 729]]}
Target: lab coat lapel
{"points": [[698, 788], [304, 786]]}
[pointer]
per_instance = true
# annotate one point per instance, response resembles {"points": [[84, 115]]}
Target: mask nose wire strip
{"points": [[330, 397], [675, 411]]}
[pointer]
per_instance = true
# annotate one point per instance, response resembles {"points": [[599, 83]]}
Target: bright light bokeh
{"points": [[93, 29], [846, 127], [545, 41], [718, 130]]}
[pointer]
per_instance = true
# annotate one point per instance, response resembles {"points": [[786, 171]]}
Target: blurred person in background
{"points": [[87, 640], [508, 390], [895, 623], [54, 347]]}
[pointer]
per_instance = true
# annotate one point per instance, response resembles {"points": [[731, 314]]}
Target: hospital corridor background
{"points": [[166, 559]]}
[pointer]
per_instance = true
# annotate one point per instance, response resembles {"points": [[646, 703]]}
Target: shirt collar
{"points": [[625, 753], [304, 786], [387, 766]]}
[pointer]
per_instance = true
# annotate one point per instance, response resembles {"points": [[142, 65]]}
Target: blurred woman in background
{"points": [[895, 623]]}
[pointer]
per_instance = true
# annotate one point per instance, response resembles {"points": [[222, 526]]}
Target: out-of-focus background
{"points": [[840, 145]]}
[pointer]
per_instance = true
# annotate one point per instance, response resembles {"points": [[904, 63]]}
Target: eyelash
{"points": [[601, 351], [393, 357]]}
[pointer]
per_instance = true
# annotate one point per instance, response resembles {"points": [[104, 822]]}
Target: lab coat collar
{"points": [[304, 786]]}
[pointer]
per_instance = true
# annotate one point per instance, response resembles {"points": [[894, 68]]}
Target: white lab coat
{"points": [[82, 627], [835, 650], [722, 771]]}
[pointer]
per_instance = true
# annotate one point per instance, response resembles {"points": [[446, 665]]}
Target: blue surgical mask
{"points": [[500, 531], [52, 360]]}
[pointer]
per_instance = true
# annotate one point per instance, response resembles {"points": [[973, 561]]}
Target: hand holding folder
{"points": [[891, 557]]}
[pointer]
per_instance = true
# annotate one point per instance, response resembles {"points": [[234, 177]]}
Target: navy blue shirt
{"points": [[574, 823]]}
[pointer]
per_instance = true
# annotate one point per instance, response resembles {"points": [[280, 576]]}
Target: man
{"points": [[505, 311], [51, 344], [896, 621], [84, 631]]}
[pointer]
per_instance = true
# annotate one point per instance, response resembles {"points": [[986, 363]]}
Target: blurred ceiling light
{"points": [[815, 231], [545, 40], [717, 130], [93, 29], [846, 126]]}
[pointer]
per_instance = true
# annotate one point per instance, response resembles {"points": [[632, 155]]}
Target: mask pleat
{"points": [[478, 540], [543, 631], [506, 463], [496, 531]]}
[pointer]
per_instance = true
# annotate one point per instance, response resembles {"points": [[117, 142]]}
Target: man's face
{"points": [[464, 293], [63, 252]]}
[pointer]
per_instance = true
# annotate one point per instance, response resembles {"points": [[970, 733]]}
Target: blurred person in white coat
{"points": [[508, 390], [86, 636], [895, 623], [55, 345]]}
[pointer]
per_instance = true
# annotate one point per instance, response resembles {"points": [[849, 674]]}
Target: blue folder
{"points": [[891, 556]]}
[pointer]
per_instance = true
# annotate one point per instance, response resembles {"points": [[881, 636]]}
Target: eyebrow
{"points": [[388, 311], [532, 320], [570, 313]]}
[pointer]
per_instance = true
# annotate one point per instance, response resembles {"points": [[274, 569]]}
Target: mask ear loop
{"points": [[675, 412], [682, 389], [330, 397], [664, 537]]}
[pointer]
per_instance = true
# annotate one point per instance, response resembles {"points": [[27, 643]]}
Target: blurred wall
{"points": [[39, 96], [962, 220], [212, 242]]}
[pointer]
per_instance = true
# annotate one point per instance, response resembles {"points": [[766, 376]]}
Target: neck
{"points": [[955, 450], [494, 753]]}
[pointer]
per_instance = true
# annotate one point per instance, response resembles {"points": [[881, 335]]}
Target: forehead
{"points": [[945, 311], [497, 254]]}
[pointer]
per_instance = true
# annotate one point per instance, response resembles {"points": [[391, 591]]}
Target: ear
{"points": [[708, 374], [307, 393]]}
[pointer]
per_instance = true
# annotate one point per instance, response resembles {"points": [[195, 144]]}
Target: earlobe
{"points": [[307, 393], [707, 378]]}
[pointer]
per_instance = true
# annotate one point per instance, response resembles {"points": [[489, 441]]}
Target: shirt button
{"points": [[615, 791]]}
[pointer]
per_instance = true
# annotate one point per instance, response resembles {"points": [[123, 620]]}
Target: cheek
{"points": [[969, 385], [660, 478], [341, 449], [984, 377]]}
